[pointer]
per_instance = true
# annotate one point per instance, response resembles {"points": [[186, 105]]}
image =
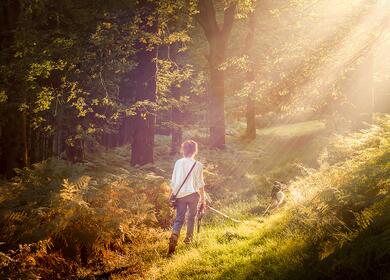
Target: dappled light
{"points": [[200, 139]]}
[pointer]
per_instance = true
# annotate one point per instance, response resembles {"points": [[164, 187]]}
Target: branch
{"points": [[207, 17], [228, 19]]}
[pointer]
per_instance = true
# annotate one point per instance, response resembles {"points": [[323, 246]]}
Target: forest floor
{"points": [[239, 182], [104, 219], [289, 243]]}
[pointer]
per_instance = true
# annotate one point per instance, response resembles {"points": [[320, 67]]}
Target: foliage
{"points": [[65, 75], [99, 223], [33, 261], [106, 218], [76, 76]]}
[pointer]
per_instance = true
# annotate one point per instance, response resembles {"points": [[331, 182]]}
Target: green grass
{"points": [[332, 188], [239, 180], [290, 244], [234, 252], [294, 130]]}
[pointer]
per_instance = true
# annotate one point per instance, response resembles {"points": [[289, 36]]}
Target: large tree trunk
{"points": [[142, 147], [217, 38], [139, 88], [11, 145], [217, 93], [13, 148], [9, 16], [125, 132]]}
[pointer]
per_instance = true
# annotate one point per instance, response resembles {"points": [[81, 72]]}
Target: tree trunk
{"points": [[142, 146], [217, 38], [125, 132], [250, 118], [12, 150], [176, 131], [176, 113], [8, 20], [217, 94], [11, 146], [57, 141], [25, 153], [250, 76]]}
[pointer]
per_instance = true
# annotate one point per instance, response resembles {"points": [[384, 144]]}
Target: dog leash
{"points": [[223, 214]]}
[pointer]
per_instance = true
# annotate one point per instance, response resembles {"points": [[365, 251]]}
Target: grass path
{"points": [[254, 249], [316, 238], [293, 130], [225, 250]]}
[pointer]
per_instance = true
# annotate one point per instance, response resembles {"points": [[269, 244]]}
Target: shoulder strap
{"points": [[185, 179]]}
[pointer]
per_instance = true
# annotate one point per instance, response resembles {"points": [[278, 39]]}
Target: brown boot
{"points": [[172, 244], [188, 240]]}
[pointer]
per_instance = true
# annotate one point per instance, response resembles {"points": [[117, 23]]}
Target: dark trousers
{"points": [[189, 202]]}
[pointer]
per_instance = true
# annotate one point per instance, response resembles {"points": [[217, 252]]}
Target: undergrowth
{"points": [[84, 220], [104, 218]]}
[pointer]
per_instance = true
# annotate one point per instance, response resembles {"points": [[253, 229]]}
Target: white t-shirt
{"points": [[194, 181], [280, 197]]}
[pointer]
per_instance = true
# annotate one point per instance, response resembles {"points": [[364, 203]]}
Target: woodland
{"points": [[96, 98]]}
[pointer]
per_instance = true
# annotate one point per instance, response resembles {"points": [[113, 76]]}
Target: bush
{"points": [[95, 224], [343, 207]]}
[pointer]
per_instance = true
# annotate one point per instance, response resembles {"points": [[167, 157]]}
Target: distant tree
{"points": [[250, 78], [176, 111]]}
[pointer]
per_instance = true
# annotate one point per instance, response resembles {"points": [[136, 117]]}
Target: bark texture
{"points": [[217, 37], [142, 147]]}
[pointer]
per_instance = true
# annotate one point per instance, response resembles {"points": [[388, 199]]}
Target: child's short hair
{"points": [[189, 148]]}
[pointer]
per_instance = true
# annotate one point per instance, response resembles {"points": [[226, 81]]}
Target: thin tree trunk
{"points": [[54, 144], [176, 113], [250, 76], [250, 118], [176, 131], [24, 139]]}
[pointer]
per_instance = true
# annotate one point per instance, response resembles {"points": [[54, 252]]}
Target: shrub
{"points": [[97, 224]]}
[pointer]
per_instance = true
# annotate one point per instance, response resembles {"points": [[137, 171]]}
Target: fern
{"points": [[365, 218], [74, 191]]}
